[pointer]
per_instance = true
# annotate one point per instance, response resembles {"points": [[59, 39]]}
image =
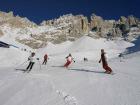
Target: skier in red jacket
{"points": [[104, 62], [69, 60], [45, 59]]}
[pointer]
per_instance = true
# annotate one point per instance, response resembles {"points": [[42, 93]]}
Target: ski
{"points": [[21, 69]]}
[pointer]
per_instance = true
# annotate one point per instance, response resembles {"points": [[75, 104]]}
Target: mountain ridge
{"points": [[67, 28]]}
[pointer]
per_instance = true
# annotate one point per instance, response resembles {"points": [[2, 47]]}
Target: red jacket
{"points": [[103, 58], [45, 56]]}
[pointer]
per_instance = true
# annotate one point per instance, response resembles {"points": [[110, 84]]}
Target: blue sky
{"points": [[38, 10]]}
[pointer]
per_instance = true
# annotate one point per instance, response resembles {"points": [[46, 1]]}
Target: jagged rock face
{"points": [[115, 28], [116, 32], [5, 16], [132, 20], [123, 20], [84, 25], [96, 21], [79, 26], [16, 22], [69, 27], [139, 24], [102, 26], [74, 24]]}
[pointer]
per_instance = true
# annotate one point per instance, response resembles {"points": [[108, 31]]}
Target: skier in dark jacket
{"points": [[45, 59], [104, 62]]}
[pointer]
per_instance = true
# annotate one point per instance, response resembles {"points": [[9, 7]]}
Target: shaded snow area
{"points": [[83, 83]]}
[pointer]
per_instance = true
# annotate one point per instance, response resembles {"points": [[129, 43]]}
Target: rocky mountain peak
{"points": [[14, 21], [67, 28]]}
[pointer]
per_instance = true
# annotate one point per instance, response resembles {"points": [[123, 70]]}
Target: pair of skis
{"points": [[24, 70]]}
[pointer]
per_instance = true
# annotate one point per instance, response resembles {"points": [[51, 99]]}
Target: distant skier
{"points": [[32, 59], [69, 59], [45, 59], [85, 59], [121, 57], [104, 62]]}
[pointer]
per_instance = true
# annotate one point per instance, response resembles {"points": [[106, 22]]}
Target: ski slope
{"points": [[83, 83]]}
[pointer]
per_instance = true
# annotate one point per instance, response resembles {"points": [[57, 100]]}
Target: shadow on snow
{"points": [[87, 70], [21, 69]]}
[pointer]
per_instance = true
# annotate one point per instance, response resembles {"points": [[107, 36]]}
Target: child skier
{"points": [[104, 62], [32, 62], [69, 59], [45, 59]]}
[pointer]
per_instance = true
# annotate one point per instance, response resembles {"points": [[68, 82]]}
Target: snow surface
{"points": [[83, 83]]}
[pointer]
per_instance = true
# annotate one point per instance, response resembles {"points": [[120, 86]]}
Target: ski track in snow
{"points": [[69, 100]]}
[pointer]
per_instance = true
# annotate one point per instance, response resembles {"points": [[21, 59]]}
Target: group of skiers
{"points": [[32, 60], [69, 60]]}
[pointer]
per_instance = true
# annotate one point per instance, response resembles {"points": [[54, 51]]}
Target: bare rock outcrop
{"points": [[15, 21]]}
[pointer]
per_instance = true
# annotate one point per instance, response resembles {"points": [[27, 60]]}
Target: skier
{"points": [[104, 62], [45, 59], [85, 59], [121, 57], [32, 59], [69, 59]]}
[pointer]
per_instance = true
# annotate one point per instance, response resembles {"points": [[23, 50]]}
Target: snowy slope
{"points": [[86, 47], [84, 83], [13, 55]]}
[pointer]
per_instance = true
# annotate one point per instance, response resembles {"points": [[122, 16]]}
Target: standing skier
{"points": [[69, 59], [104, 62], [32, 62], [121, 57], [45, 59]]}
